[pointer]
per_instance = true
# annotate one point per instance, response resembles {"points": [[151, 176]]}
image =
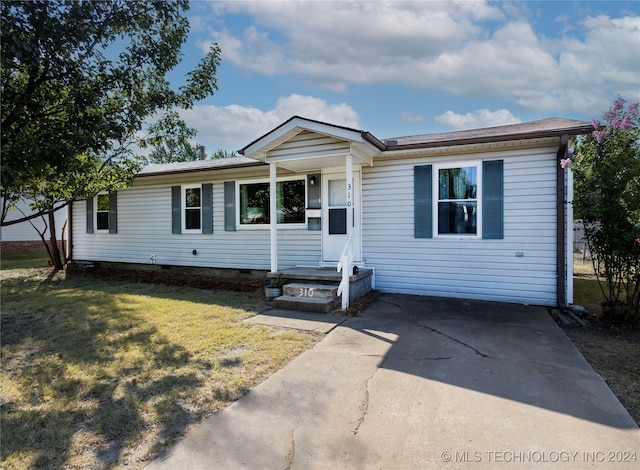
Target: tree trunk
{"points": [[54, 252]]}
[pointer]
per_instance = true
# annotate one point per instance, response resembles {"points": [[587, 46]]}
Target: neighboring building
{"points": [[478, 214], [23, 236]]}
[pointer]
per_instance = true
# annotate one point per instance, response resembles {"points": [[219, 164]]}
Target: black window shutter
{"points": [[90, 215], [493, 199], [176, 210], [207, 208], [113, 212], [230, 205], [422, 204]]}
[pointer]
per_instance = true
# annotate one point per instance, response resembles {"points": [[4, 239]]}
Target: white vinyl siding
{"points": [[309, 144], [144, 219], [458, 266], [447, 266], [24, 231]]}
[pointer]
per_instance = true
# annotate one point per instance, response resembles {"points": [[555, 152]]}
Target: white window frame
{"points": [[183, 203], [435, 188], [241, 226], [95, 213]]}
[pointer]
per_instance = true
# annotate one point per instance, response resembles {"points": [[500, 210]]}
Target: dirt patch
{"points": [[234, 284], [359, 305], [614, 352]]}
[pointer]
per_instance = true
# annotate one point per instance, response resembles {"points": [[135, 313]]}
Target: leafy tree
{"points": [[607, 182], [169, 139], [78, 81], [221, 153]]}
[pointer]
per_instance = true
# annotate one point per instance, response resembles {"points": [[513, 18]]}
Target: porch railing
{"points": [[346, 266]]}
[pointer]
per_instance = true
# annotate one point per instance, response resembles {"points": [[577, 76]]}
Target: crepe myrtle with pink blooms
{"points": [[606, 168]]}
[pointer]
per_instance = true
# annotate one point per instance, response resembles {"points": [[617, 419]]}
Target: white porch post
{"points": [[273, 216], [349, 194], [348, 256]]}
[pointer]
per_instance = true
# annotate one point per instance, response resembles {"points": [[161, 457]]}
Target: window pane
{"points": [[192, 219], [192, 197], [255, 205], [103, 202], [457, 217], [337, 193], [458, 183], [337, 221], [291, 207], [102, 219]]}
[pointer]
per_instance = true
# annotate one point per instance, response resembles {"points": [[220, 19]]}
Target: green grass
{"points": [[24, 260], [105, 374], [582, 266], [586, 290]]}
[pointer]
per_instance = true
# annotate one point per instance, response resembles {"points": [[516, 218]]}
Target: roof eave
{"points": [[198, 170], [581, 130], [296, 124]]}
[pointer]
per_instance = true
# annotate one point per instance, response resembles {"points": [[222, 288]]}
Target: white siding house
{"points": [[24, 235], [478, 214]]}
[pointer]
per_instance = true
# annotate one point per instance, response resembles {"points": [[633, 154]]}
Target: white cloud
{"points": [[476, 49], [361, 42], [232, 127], [479, 118]]}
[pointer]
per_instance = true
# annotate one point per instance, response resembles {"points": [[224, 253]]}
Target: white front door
{"points": [[334, 215]]}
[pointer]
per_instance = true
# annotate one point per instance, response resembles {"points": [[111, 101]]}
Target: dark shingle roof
{"points": [[527, 130], [550, 127]]}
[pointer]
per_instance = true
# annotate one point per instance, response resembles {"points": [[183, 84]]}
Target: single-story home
{"points": [[478, 214]]}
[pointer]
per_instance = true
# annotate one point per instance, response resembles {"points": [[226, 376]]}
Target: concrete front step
{"points": [[359, 284], [303, 290], [306, 304]]}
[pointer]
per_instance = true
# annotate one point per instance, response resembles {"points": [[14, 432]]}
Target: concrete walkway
{"points": [[422, 383]]}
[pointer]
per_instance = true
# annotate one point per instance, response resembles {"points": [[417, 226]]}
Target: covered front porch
{"points": [[332, 158]]}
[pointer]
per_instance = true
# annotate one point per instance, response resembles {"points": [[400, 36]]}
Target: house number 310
{"points": [[305, 292]]}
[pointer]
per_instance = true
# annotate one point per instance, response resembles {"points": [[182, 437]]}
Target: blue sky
{"points": [[403, 68]]}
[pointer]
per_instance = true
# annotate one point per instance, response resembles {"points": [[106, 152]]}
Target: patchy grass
{"points": [[105, 374], [587, 292], [613, 351], [582, 266]]}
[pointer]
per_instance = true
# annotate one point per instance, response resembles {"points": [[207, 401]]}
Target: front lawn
{"points": [[103, 373], [24, 259]]}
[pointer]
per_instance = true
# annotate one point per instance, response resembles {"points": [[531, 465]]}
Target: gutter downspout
{"points": [[561, 227]]}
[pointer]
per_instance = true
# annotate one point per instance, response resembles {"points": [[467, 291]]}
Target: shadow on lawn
{"points": [[84, 370]]}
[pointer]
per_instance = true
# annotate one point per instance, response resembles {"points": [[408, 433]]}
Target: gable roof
{"points": [[296, 124], [550, 127]]}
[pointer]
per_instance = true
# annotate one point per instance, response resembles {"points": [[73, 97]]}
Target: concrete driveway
{"points": [[421, 383]]}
